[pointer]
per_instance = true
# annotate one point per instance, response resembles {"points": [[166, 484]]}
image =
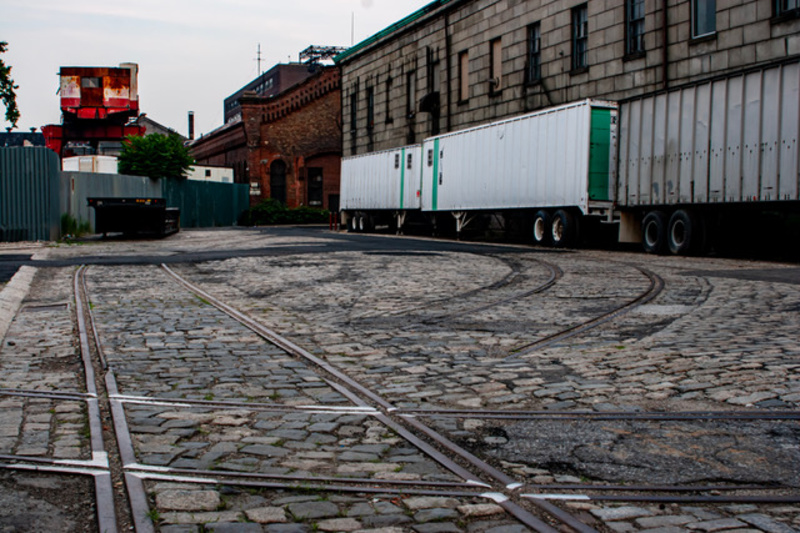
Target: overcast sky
{"points": [[191, 53]]}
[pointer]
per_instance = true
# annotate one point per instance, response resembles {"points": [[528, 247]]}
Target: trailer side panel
{"points": [[386, 180], [732, 140], [541, 160]]}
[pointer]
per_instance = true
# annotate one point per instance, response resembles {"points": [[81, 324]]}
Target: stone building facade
{"points": [[460, 63], [287, 147]]}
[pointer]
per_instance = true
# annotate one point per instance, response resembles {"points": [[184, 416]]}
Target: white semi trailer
{"points": [[380, 187], [709, 158], [671, 168], [556, 164]]}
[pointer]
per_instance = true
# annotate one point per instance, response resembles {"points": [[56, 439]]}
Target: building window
{"points": [[88, 82], [533, 72], [411, 107], [353, 110], [580, 37], [277, 181], [496, 66], [411, 95], [463, 76], [787, 7], [353, 119], [370, 109], [370, 117], [315, 186], [388, 101], [704, 17], [634, 13]]}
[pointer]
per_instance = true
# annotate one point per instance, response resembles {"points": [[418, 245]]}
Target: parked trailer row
{"points": [[502, 166], [668, 168]]}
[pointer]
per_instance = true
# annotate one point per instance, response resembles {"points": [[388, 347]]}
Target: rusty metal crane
{"points": [[97, 104]]}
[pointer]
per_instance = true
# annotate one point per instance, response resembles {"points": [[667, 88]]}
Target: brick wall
{"points": [[426, 54], [301, 128]]}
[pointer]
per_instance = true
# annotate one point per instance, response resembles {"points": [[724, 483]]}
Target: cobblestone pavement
{"points": [[221, 425]]}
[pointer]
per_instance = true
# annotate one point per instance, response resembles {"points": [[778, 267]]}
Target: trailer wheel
{"points": [[654, 232], [684, 235], [541, 228], [564, 229], [364, 223], [353, 223]]}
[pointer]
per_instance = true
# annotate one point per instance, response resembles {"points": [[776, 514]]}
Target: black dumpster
{"points": [[132, 216]]}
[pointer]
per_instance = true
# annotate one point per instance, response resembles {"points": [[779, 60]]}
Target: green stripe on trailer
{"points": [[402, 178], [435, 193], [600, 154]]}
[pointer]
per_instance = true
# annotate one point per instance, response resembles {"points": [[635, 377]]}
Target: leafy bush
{"points": [[155, 156], [272, 212]]}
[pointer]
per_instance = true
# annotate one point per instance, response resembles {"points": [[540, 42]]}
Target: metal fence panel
{"points": [[206, 204], [29, 207], [77, 187]]}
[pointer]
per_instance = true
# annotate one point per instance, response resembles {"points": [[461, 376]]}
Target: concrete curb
{"points": [[12, 295]]}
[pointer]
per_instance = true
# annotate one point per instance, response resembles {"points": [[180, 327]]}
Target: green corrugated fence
{"points": [[29, 194], [206, 204]]}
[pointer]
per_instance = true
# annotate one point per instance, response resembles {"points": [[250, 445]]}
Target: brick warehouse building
{"points": [[288, 146], [460, 63]]}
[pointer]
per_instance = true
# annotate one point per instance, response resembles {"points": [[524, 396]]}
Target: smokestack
{"points": [[191, 125]]}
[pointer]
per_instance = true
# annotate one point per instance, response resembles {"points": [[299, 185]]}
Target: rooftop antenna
{"points": [[258, 59], [352, 28]]}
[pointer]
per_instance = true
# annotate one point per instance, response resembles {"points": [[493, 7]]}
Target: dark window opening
{"points": [[787, 8], [88, 82], [353, 119], [277, 181], [430, 102], [388, 102], [411, 107], [411, 95], [533, 73], [370, 118], [634, 13], [496, 66], [704, 17], [370, 110], [463, 76], [315, 188], [580, 37]]}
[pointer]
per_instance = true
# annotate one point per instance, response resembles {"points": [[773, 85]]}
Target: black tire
{"points": [[352, 223], [541, 228], [563, 229], [364, 223], [684, 233], [654, 232]]}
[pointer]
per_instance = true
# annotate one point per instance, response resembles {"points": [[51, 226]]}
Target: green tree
{"points": [[155, 156], [7, 88]]}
